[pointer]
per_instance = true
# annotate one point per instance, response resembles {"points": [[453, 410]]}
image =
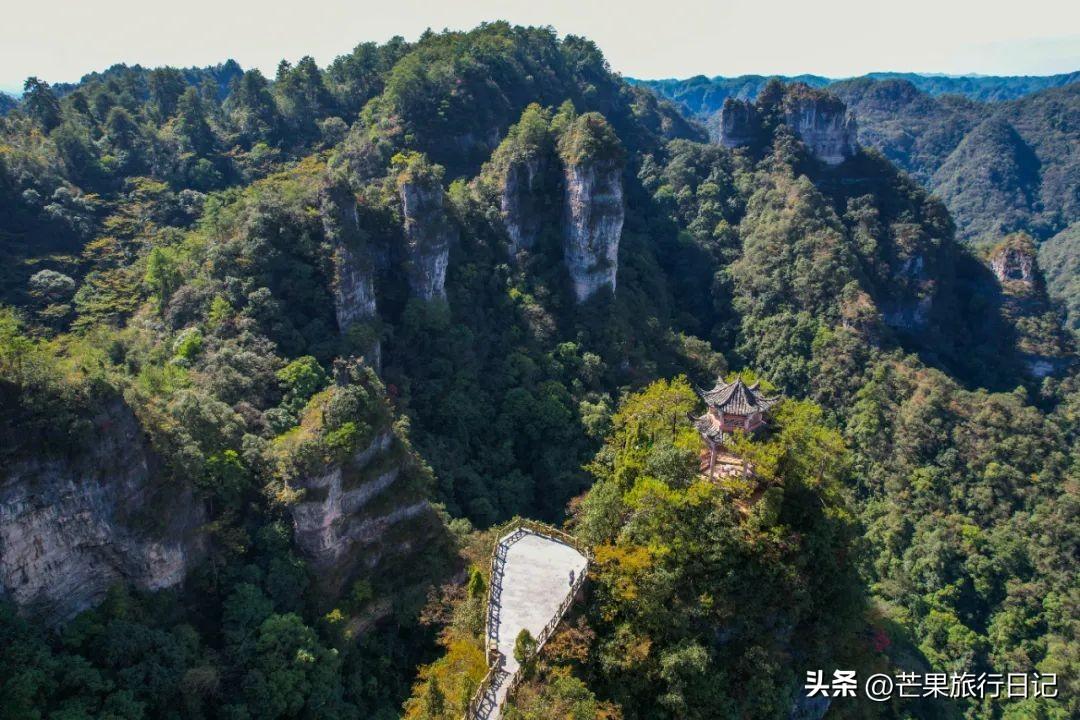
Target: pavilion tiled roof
{"points": [[710, 428], [738, 398]]}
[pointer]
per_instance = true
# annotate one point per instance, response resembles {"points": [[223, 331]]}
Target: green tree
{"points": [[525, 648], [41, 103], [191, 123], [166, 85], [299, 380], [162, 275], [252, 110]]}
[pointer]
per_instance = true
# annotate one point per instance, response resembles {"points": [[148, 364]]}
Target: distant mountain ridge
{"points": [[701, 95]]}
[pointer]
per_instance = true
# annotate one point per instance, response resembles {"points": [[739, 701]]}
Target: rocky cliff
{"points": [[909, 309], [738, 124], [354, 266], [1014, 262], [369, 509], [521, 203], [428, 235], [72, 526], [1043, 346], [820, 120], [823, 123], [345, 518], [593, 209], [354, 272], [592, 226]]}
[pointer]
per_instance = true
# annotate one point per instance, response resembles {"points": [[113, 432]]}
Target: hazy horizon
{"points": [[61, 42]]}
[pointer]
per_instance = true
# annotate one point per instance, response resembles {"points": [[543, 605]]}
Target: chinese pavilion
{"points": [[732, 407]]}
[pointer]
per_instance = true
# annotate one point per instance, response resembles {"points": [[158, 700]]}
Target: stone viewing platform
{"points": [[535, 573]]}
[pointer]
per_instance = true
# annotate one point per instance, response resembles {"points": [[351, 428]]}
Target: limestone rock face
{"points": [[739, 124], [1013, 264], [592, 225], [354, 264], [1044, 348], [521, 203], [428, 236], [360, 512], [908, 316], [71, 527], [910, 311], [820, 120], [824, 125], [354, 275]]}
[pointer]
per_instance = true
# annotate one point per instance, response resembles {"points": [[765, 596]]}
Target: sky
{"points": [[59, 41]]}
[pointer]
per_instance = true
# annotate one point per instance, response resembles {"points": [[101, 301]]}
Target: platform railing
{"points": [[482, 704]]}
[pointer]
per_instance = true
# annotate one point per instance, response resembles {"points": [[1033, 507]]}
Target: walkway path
{"points": [[534, 578]]}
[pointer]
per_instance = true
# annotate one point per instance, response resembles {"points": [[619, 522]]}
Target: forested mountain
{"points": [[277, 355], [1000, 167]]}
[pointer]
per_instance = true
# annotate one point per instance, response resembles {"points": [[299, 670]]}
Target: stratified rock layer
{"points": [[739, 124], [71, 527], [820, 120], [361, 513]]}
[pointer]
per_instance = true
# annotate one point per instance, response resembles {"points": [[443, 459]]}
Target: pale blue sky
{"points": [[61, 40]]}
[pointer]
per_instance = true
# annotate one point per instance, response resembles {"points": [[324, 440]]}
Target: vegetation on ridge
{"points": [[169, 240]]}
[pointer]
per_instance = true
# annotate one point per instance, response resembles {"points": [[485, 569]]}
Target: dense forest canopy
{"points": [[336, 316]]}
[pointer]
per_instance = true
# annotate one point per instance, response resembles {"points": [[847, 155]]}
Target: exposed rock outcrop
{"points": [[908, 315], [70, 527], [823, 123], [593, 223], [593, 210], [520, 177], [820, 120], [739, 124], [1014, 263], [354, 273], [1043, 346], [910, 310], [428, 236], [521, 203], [354, 265], [368, 509]]}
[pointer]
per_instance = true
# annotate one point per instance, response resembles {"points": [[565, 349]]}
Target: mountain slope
{"points": [[363, 311], [1060, 259], [990, 181]]}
